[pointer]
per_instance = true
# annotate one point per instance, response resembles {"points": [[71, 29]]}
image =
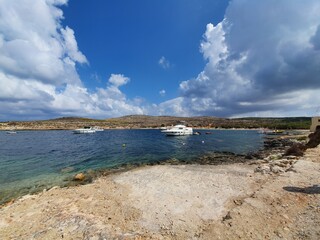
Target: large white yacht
{"points": [[85, 130], [178, 130]]}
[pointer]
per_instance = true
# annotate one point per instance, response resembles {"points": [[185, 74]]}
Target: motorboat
{"points": [[84, 130], [178, 130], [11, 132]]}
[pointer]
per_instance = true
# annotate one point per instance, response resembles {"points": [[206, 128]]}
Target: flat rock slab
{"points": [[181, 197]]}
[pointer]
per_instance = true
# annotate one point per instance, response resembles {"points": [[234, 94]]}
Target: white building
{"points": [[315, 124]]}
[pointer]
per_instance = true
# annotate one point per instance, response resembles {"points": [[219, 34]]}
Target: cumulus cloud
{"points": [[112, 101], [174, 106], [162, 92], [164, 63], [72, 46], [118, 80], [34, 45], [262, 59], [38, 76]]}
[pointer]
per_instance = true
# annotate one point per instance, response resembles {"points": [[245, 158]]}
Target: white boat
{"points": [[178, 130], [84, 130], [11, 132], [98, 129], [274, 132]]}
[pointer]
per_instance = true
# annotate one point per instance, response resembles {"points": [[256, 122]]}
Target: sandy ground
{"points": [[269, 199]]}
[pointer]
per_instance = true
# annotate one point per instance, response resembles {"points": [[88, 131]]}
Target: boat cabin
{"points": [[315, 124]]}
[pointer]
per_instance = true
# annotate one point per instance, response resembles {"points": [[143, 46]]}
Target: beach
{"points": [[272, 198]]}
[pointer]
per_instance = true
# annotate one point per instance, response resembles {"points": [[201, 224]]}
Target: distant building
{"points": [[315, 124]]}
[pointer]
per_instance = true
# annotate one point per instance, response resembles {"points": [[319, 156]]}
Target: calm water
{"points": [[33, 160]]}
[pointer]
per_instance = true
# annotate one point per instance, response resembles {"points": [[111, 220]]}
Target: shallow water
{"points": [[34, 160]]}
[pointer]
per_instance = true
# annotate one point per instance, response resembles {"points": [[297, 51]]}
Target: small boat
{"points": [[11, 132], [84, 130], [98, 129], [178, 130], [275, 132], [197, 133]]}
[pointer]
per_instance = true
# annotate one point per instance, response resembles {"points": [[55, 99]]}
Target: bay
{"points": [[34, 160]]}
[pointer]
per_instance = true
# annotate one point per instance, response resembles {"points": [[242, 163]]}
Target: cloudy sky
{"points": [[104, 59]]}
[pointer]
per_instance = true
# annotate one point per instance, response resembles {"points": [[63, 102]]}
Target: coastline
{"points": [[179, 201], [153, 122], [113, 155]]}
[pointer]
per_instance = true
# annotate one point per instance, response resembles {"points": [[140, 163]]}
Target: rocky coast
{"points": [[266, 195]]}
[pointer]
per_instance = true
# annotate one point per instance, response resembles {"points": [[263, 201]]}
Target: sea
{"points": [[31, 161]]}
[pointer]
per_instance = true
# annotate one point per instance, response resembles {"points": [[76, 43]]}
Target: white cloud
{"points": [[164, 63], [162, 92], [72, 46], [262, 58], [34, 45], [173, 106], [118, 80], [38, 59]]}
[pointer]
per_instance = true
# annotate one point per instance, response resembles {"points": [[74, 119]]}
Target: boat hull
{"points": [[177, 133], [83, 131]]}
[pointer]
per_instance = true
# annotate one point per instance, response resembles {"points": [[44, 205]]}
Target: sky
{"points": [[103, 58]]}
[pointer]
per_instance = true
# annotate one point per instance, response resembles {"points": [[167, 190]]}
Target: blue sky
{"points": [[130, 37], [103, 59]]}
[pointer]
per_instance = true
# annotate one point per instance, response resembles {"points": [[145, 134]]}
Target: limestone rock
{"points": [[79, 177], [263, 168]]}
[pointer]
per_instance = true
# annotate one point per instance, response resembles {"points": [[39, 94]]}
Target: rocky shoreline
{"points": [[265, 195], [272, 146]]}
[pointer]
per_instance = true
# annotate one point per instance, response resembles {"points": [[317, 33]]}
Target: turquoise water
{"points": [[34, 160]]}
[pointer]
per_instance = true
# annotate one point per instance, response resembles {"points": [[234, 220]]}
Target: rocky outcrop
{"points": [[298, 149], [274, 166], [314, 139]]}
